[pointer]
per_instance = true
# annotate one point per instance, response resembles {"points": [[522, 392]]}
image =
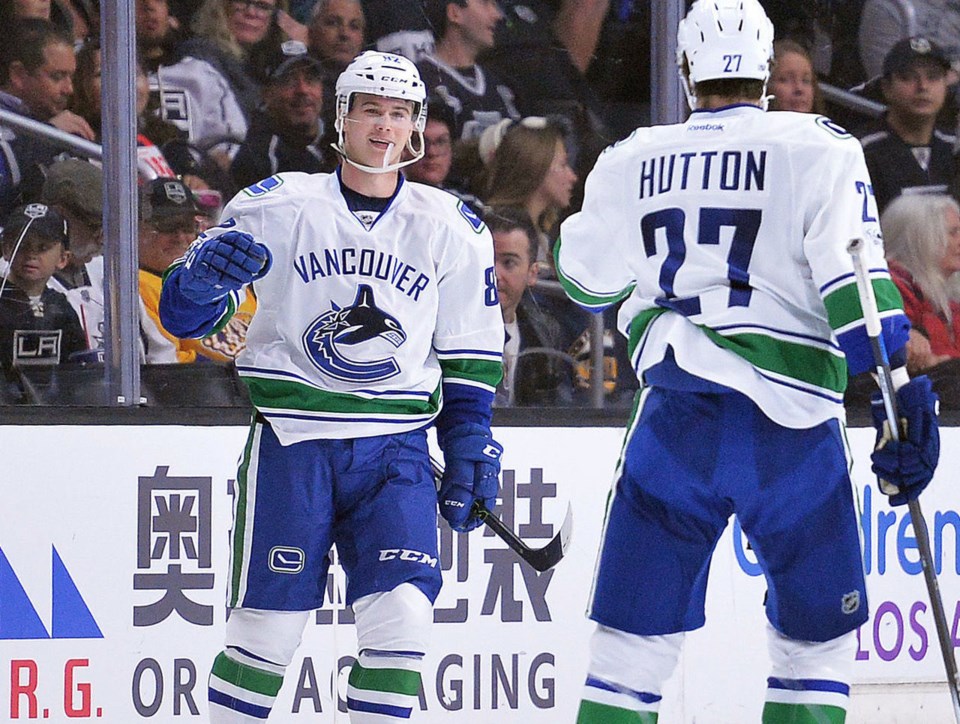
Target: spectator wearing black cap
{"points": [[883, 23], [37, 324], [286, 134], [905, 152], [168, 224]]}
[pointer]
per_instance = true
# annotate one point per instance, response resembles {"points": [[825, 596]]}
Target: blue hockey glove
{"points": [[905, 468], [472, 472], [215, 267]]}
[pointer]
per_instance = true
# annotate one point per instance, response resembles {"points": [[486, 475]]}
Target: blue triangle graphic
{"points": [[71, 617], [18, 617]]}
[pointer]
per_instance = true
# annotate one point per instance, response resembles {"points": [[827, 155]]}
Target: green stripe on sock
{"points": [[246, 677], [394, 681], [777, 713], [593, 713]]}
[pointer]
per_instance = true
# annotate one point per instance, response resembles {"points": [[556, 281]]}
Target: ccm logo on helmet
{"points": [[405, 554], [395, 79]]}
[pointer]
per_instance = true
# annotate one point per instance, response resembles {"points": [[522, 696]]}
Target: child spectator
{"points": [[37, 324]]}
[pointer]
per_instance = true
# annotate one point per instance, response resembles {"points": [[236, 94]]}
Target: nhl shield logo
{"points": [[850, 603], [359, 325]]}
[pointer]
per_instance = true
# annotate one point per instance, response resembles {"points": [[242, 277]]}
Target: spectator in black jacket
{"points": [[905, 152], [286, 133], [37, 324], [537, 371]]}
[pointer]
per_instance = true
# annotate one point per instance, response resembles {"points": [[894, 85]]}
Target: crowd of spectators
{"points": [[523, 96]]}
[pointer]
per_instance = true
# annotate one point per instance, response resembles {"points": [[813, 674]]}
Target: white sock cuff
{"points": [[269, 635], [638, 663], [828, 660], [396, 621]]}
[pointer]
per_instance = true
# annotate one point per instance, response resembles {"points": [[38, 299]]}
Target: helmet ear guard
{"points": [[721, 39], [388, 76]]}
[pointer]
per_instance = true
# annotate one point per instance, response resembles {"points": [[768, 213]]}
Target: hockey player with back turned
{"points": [[726, 236], [377, 315]]}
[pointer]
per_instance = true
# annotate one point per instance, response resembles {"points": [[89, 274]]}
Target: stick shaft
{"points": [[871, 315]]}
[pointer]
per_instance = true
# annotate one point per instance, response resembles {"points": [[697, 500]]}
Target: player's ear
{"points": [[65, 256]]}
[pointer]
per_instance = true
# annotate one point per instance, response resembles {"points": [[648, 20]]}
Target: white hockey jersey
{"points": [[362, 317], [727, 237]]}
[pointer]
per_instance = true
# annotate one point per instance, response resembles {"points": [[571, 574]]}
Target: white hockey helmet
{"points": [[724, 39], [388, 76]]}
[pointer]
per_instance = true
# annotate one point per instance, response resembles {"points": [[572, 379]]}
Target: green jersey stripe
{"points": [[484, 371], [582, 296], [240, 517], [805, 363], [270, 394], [843, 304]]}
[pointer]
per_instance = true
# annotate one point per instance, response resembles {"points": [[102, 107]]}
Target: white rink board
{"points": [[88, 523]]}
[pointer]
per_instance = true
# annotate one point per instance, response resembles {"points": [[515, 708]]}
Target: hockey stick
{"points": [[541, 559], [871, 316]]}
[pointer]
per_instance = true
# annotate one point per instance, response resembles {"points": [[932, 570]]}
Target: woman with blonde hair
{"points": [[922, 239], [793, 82], [238, 37], [527, 167]]}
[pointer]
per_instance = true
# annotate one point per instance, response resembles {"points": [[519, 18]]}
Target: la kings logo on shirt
{"points": [[357, 325]]}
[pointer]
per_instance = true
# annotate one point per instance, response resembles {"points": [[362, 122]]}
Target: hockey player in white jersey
{"points": [[726, 238], [377, 316]]}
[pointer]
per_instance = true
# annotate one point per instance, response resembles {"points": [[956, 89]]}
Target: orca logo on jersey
{"points": [[359, 323]]}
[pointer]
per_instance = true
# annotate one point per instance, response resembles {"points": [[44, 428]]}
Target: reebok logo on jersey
{"points": [[706, 127], [286, 560], [405, 554]]}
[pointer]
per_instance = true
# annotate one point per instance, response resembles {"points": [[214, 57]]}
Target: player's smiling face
{"points": [[377, 129]]}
